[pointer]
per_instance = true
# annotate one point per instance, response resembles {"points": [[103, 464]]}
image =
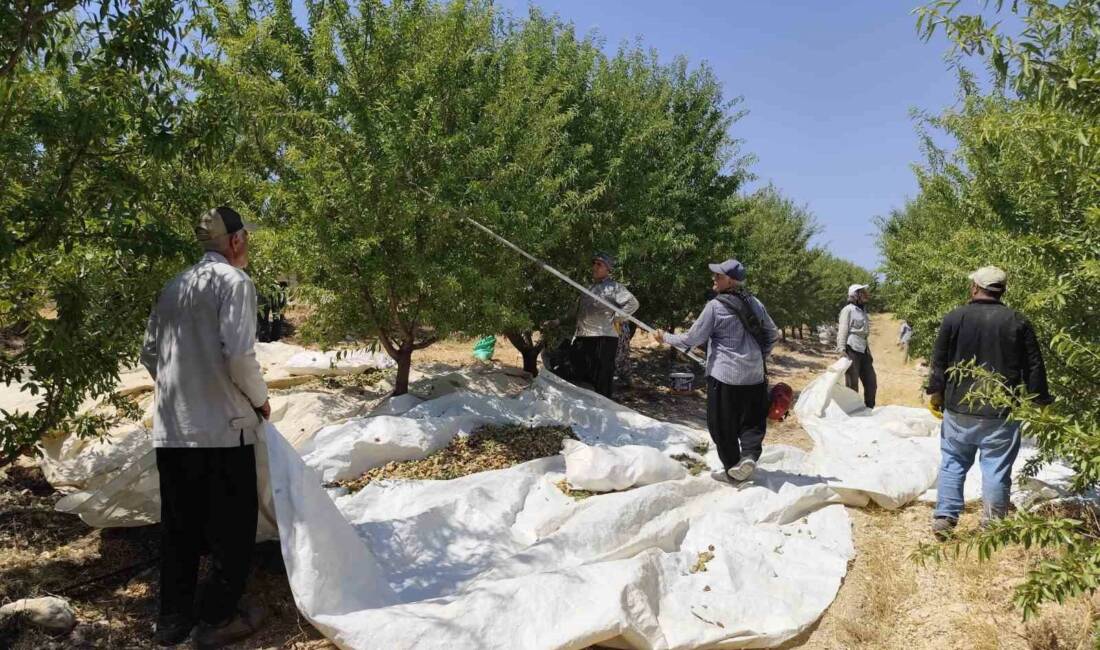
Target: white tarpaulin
{"points": [[892, 454], [505, 559], [332, 362]]}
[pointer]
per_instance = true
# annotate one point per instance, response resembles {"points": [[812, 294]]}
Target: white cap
{"points": [[989, 277], [854, 288]]}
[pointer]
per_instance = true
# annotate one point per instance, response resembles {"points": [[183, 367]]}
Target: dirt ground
{"points": [[886, 600]]}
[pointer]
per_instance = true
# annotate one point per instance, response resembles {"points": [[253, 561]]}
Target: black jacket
{"points": [[998, 338]]}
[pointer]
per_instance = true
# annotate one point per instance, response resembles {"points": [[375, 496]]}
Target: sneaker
{"points": [[742, 470], [943, 527], [243, 625], [172, 630]]}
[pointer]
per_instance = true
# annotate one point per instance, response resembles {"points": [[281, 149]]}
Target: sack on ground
{"points": [[599, 468]]}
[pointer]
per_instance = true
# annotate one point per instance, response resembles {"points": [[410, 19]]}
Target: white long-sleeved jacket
{"points": [[200, 349], [853, 328], [593, 319]]}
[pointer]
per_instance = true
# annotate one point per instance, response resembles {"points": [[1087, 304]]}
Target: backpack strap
{"points": [[738, 303]]}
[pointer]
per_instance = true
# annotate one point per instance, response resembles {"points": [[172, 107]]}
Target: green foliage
{"points": [[1022, 191], [404, 118], [522, 126], [1053, 59], [799, 283], [672, 174], [97, 128]]}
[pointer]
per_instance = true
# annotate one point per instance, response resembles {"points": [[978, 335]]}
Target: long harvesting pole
{"points": [[565, 278]]}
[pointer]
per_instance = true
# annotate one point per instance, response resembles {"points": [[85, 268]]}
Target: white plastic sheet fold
{"points": [[891, 455], [333, 362], [503, 560], [601, 468]]}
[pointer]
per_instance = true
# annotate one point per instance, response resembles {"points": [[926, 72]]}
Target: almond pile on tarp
{"points": [[488, 448]]}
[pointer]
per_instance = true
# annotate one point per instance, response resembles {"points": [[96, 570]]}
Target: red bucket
{"points": [[781, 397]]}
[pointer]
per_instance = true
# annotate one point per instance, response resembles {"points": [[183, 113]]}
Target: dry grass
{"points": [[109, 576], [885, 584]]}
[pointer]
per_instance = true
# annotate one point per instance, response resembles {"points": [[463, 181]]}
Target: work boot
{"points": [[242, 625], [742, 471], [172, 629], [943, 527]]}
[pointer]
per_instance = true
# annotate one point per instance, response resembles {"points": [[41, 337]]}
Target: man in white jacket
{"points": [[852, 340], [210, 397]]}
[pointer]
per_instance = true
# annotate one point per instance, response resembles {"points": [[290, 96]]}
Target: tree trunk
{"points": [[404, 365], [524, 342]]}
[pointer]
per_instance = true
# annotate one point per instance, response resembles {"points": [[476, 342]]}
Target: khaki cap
{"points": [[989, 277], [219, 222]]}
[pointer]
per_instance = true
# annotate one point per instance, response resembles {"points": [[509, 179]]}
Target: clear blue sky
{"points": [[828, 86]]}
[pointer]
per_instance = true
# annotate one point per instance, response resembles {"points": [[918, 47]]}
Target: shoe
{"points": [[743, 470], [243, 625], [172, 630], [943, 527]]}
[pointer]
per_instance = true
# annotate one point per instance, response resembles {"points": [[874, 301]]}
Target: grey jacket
{"points": [[853, 328], [593, 319], [733, 355], [200, 349]]}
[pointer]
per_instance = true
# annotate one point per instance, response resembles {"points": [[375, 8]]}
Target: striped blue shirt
{"points": [[733, 356]]}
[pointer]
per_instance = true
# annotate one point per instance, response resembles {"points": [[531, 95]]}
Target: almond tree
{"points": [[1022, 191]]}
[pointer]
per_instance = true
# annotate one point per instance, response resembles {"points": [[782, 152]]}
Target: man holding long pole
{"points": [[610, 306], [597, 336], [739, 335]]}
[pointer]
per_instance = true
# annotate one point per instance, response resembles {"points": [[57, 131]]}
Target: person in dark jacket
{"points": [[999, 339]]}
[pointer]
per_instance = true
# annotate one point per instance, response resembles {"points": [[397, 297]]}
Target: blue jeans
{"points": [[963, 436]]}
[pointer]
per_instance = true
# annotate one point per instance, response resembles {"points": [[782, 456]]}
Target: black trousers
{"points": [[598, 361], [207, 502], [737, 417], [862, 370]]}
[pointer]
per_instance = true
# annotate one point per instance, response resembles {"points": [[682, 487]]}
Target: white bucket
{"points": [[681, 382]]}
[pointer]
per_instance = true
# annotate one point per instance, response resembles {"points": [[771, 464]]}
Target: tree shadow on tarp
{"points": [[444, 553]]}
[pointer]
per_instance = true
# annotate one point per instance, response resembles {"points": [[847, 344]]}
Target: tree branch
{"points": [[425, 343], [29, 20]]}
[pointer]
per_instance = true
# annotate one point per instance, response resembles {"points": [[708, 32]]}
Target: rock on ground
{"points": [[53, 614]]}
